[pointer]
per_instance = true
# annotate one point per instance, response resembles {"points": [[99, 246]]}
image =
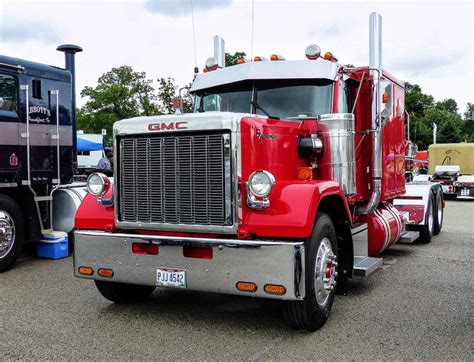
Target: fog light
{"points": [[246, 287]]}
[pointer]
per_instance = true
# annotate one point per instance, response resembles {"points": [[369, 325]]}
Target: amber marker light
{"points": [[106, 273], [274, 289], [276, 57], [305, 173], [330, 56], [240, 61], [246, 287], [385, 97], [85, 270]]}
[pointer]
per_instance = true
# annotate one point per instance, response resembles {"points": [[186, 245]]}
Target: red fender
{"points": [[292, 211], [93, 216]]}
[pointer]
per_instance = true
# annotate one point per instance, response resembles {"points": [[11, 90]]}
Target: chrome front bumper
{"points": [[260, 262]]}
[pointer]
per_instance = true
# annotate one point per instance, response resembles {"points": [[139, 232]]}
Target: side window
{"points": [[36, 88], [8, 93]]}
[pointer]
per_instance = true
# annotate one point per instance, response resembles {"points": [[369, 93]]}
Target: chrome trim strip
{"points": [[182, 240], [8, 184]]}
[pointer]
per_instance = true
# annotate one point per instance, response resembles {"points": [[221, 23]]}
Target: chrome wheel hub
{"points": [[325, 271], [7, 233]]}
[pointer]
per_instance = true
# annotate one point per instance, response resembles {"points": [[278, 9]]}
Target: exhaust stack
{"points": [[219, 51], [69, 53], [375, 64]]}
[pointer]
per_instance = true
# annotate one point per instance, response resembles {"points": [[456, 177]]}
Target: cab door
{"points": [[10, 153]]}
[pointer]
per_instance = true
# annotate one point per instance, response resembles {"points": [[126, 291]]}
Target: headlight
{"points": [[98, 184], [261, 183]]}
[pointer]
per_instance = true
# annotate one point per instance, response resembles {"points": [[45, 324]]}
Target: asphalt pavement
{"points": [[418, 306]]}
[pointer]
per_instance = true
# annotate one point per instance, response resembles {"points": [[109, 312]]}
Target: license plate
{"points": [[171, 278]]}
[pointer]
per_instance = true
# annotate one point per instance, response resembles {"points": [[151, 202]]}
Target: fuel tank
{"points": [[384, 227]]}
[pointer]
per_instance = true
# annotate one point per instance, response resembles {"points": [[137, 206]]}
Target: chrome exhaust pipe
{"points": [[219, 51], [375, 64]]}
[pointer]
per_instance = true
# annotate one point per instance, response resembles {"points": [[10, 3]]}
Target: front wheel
{"points": [[320, 278], [11, 232], [123, 293]]}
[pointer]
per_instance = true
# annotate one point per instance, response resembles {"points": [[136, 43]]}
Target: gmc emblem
{"points": [[167, 126]]}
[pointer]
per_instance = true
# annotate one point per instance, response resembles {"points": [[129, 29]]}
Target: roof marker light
{"points": [[242, 61], [276, 57], [259, 59], [211, 64], [313, 52], [330, 56]]}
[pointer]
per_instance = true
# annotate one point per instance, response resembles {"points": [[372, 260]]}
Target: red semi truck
{"points": [[288, 180]]}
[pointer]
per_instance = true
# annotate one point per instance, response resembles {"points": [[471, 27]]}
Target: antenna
{"points": [[196, 69], [251, 48]]}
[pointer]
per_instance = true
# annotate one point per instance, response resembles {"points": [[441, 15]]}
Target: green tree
{"points": [[449, 105], [231, 59], [120, 93], [468, 126], [168, 90], [449, 127], [416, 102]]}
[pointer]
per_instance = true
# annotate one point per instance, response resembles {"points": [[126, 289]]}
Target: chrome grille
{"points": [[175, 179]]}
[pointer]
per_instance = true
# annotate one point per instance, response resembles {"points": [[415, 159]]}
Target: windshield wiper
{"points": [[257, 106]]}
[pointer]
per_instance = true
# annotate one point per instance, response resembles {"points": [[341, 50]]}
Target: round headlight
{"points": [[261, 183], [98, 184]]}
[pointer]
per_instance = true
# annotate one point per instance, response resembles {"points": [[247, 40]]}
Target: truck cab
{"points": [[262, 191]]}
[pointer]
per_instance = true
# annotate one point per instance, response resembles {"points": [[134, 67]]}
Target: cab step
{"points": [[366, 265], [408, 237]]}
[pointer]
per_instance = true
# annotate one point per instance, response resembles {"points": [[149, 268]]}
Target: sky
{"points": [[429, 43]]}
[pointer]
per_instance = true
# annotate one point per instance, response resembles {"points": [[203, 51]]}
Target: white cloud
{"points": [[22, 30], [183, 7], [427, 43]]}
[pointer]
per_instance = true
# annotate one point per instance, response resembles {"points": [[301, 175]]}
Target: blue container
{"points": [[53, 246]]}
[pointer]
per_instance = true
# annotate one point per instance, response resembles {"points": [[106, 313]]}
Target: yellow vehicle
{"points": [[452, 164]]}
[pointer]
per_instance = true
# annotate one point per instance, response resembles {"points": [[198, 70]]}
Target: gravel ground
{"points": [[418, 306]]}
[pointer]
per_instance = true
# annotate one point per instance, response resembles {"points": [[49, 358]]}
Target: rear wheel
{"points": [[320, 278], [427, 230], [123, 293], [439, 214], [11, 232]]}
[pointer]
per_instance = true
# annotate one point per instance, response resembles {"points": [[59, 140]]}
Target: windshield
{"points": [[277, 98]]}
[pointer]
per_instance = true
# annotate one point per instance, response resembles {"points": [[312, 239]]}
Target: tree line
{"points": [[124, 93]]}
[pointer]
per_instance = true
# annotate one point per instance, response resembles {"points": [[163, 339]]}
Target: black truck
{"points": [[37, 146]]}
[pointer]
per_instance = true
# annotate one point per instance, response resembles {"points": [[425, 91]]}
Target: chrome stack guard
{"points": [[258, 261]]}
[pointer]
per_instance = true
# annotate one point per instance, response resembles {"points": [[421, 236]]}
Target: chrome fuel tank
{"points": [[337, 162]]}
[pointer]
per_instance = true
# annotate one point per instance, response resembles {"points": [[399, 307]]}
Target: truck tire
{"points": [[320, 278], [123, 293], [439, 213], [427, 230], [11, 232]]}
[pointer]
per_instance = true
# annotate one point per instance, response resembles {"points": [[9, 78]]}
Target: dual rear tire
{"points": [[433, 218]]}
